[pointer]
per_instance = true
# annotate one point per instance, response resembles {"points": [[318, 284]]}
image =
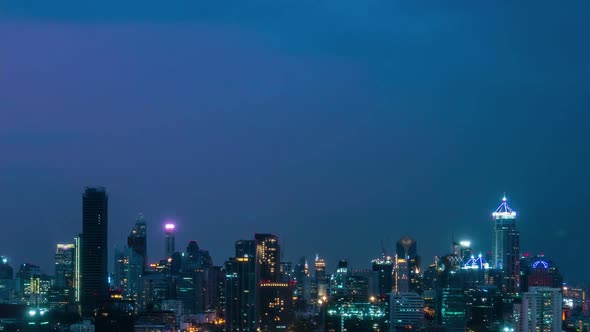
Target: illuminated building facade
{"points": [[169, 241], [402, 276], [6, 281], [63, 288], [540, 310], [348, 316], [384, 268], [407, 312], [538, 271], [94, 282], [407, 249], [275, 305], [268, 256], [506, 246], [339, 280]]}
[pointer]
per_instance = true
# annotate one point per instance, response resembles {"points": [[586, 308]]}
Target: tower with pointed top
{"points": [[506, 246]]}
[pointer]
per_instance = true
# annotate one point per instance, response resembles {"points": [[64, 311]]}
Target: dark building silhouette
{"points": [[137, 239], [241, 287], [384, 268], [94, 282]]}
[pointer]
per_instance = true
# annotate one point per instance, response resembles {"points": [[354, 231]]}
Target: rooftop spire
{"points": [[504, 211]]}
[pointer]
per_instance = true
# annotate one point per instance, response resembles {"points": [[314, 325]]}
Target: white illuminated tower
{"points": [[506, 245], [169, 236]]}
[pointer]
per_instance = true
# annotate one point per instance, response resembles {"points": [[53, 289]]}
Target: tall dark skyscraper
{"points": [[241, 288], [137, 239], [94, 273], [506, 246]]}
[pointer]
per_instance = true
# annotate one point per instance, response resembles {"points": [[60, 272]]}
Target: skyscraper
{"points": [[268, 255], [506, 246], [540, 310], [407, 249], [407, 312], [94, 282], [65, 258], [384, 268], [241, 289], [65, 273], [137, 239], [170, 246]]}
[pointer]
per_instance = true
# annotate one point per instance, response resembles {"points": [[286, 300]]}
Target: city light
{"points": [[169, 226]]}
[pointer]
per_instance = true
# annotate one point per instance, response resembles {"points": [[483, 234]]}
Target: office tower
{"points": [[505, 246], [286, 271], [275, 305], [407, 312], [65, 259], [384, 268], [338, 280], [170, 246], [241, 288], [137, 239], [93, 272], [128, 271], [78, 269], [453, 309], [268, 255], [6, 280], [407, 248], [484, 308], [23, 285], [303, 281], [538, 271], [362, 286], [539, 310], [320, 278], [62, 290], [402, 276], [214, 284]]}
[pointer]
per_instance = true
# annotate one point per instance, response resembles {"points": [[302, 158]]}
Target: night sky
{"points": [[333, 124]]}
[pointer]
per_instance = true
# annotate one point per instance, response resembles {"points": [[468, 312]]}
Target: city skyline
{"points": [[160, 240]]}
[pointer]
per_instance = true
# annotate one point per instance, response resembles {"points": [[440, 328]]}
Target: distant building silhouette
{"points": [[94, 273]]}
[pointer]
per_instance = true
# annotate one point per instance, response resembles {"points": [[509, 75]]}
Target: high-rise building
{"points": [[241, 288], [65, 259], [407, 249], [169, 245], [128, 271], [453, 309], [407, 312], [506, 246], [268, 256], [94, 273], [78, 269], [339, 280], [402, 276], [137, 239], [6, 280], [303, 281], [63, 288], [320, 278], [275, 305], [540, 272], [540, 310], [384, 268]]}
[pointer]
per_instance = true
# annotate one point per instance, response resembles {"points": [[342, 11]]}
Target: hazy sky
{"points": [[334, 124]]}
